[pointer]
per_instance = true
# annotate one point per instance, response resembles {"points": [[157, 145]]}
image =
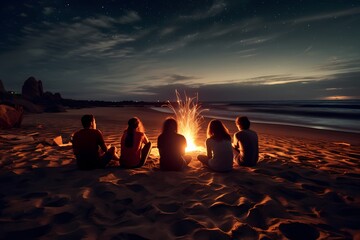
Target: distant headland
{"points": [[34, 99]]}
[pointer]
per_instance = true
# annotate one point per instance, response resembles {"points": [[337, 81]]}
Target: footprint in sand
{"points": [[290, 176], [184, 227], [55, 201], [210, 234], [192, 188], [261, 213], [244, 231], [106, 195], [169, 208], [196, 209], [313, 188], [219, 209], [129, 236], [32, 213], [64, 217], [291, 193], [319, 182], [144, 210], [71, 233], [137, 188], [229, 198], [125, 201], [264, 172], [120, 207], [332, 196], [298, 231], [28, 233], [35, 195]]}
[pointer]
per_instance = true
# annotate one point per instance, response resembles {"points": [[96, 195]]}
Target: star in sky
{"points": [[225, 50]]}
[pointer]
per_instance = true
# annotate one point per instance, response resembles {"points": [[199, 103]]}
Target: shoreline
{"points": [[262, 121], [262, 128]]}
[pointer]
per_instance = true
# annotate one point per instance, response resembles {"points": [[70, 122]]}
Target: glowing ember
{"points": [[187, 114]]}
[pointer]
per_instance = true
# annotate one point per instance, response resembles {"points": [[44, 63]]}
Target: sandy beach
{"points": [[306, 186]]}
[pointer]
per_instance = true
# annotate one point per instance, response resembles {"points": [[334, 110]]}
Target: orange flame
{"points": [[188, 116]]}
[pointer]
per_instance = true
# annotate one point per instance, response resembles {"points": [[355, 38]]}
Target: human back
{"points": [[246, 143], [218, 146], [222, 154], [87, 142], [171, 147], [89, 146], [132, 142]]}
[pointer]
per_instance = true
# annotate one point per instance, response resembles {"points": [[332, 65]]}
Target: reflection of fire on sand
{"points": [[306, 185], [188, 115]]}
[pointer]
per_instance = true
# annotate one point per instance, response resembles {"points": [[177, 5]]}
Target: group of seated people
{"points": [[91, 152]]}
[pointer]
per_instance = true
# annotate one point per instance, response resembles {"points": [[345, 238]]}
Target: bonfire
{"points": [[188, 115]]}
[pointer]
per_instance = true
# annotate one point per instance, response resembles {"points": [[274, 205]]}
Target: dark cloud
{"points": [[342, 65], [216, 8], [328, 15], [179, 78], [223, 49], [130, 17], [292, 90]]}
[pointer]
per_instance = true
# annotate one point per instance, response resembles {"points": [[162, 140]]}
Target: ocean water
{"points": [[320, 114]]}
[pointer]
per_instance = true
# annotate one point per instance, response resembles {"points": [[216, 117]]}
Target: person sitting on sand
{"points": [[245, 143], [219, 150], [89, 146], [171, 147], [135, 146]]}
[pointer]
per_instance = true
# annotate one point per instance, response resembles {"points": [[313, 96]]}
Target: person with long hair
{"points": [[171, 147], [218, 146], [135, 146]]}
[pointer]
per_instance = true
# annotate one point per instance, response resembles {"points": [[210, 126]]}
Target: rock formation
{"points": [[2, 88], [32, 89], [10, 116], [5, 97]]}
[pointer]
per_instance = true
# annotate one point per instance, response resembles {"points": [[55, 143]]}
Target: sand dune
{"points": [[306, 186]]}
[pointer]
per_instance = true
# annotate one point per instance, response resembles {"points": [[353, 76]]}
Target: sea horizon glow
{"points": [[224, 50]]}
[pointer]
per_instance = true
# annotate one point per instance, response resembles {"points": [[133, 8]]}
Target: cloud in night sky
{"points": [[292, 90], [340, 65], [329, 15], [216, 8], [225, 50], [130, 17], [48, 10]]}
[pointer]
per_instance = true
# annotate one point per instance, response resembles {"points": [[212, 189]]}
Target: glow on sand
{"points": [[187, 114]]}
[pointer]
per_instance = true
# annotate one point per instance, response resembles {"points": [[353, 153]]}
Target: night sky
{"points": [[224, 50]]}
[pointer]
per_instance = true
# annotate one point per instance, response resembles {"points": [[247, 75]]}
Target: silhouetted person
{"points": [[218, 146], [135, 146], [171, 147], [89, 146], [245, 143]]}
